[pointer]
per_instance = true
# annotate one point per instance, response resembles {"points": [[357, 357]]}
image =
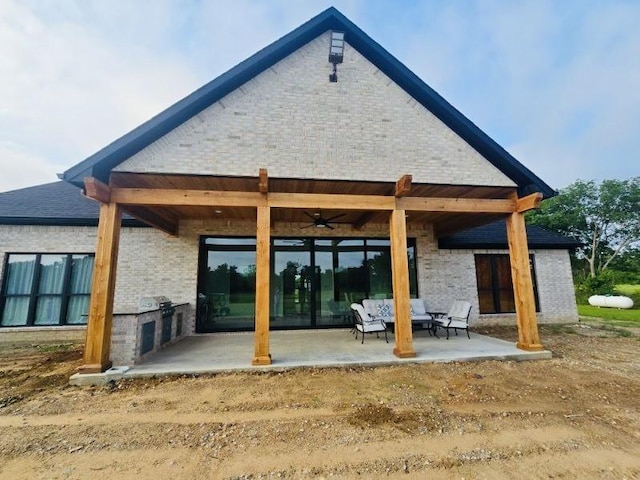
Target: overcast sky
{"points": [[556, 83]]}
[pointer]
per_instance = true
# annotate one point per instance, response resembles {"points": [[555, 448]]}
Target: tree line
{"points": [[605, 219]]}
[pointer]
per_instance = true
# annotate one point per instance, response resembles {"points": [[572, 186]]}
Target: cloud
{"points": [[553, 82], [70, 90]]}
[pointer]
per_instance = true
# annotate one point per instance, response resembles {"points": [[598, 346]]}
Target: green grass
{"points": [[628, 289], [626, 318]]}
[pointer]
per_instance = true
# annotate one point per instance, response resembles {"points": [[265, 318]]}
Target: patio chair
{"points": [[457, 318], [366, 324]]}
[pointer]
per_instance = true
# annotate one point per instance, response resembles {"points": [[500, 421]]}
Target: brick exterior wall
{"points": [[450, 274], [363, 127], [152, 263]]}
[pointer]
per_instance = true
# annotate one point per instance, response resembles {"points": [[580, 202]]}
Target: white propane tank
{"points": [[611, 301]]}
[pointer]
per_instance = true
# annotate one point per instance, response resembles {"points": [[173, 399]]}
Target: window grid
{"points": [[53, 290]]}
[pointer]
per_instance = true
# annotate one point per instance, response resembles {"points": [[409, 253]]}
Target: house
{"points": [[299, 181]]}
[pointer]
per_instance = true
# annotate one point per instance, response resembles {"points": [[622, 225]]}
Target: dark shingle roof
{"points": [[57, 203], [101, 163], [494, 235]]}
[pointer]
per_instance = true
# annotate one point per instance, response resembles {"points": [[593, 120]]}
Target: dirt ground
{"points": [[575, 416]]}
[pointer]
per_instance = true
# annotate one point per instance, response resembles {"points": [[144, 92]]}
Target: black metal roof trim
{"points": [[101, 163], [66, 222], [494, 236]]}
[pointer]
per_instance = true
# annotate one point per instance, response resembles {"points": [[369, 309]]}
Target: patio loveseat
{"points": [[384, 309]]}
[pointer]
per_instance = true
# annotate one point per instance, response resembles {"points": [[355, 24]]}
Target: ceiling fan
{"points": [[320, 222]]}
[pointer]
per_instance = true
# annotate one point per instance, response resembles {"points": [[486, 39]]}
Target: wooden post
{"points": [[261, 339], [98, 341], [528, 338], [400, 280]]}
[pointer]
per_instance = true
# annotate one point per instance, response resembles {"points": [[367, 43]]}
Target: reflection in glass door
{"points": [[313, 281], [291, 284], [226, 285]]}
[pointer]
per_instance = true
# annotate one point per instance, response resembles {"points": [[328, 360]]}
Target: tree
{"points": [[605, 218]]}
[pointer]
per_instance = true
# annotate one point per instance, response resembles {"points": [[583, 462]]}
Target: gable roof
{"points": [[100, 164], [494, 235], [57, 203]]}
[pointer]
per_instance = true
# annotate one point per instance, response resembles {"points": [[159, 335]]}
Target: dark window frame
{"points": [[493, 259], [308, 244], [34, 295]]}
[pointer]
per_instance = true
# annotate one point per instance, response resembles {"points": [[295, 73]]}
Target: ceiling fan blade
{"points": [[329, 226], [330, 219], [310, 216], [308, 226]]}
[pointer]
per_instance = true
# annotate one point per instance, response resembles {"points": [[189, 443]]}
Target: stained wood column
{"points": [[528, 338], [98, 341], [261, 339], [400, 278]]}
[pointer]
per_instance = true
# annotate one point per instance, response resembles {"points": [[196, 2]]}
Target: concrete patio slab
{"points": [[227, 352]]}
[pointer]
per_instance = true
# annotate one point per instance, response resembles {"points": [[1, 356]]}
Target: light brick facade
{"points": [[291, 120], [152, 263]]}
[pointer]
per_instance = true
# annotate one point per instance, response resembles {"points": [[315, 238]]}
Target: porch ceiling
{"points": [[444, 222]]}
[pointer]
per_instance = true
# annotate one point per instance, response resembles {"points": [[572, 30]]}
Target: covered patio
{"points": [[164, 200], [227, 352]]}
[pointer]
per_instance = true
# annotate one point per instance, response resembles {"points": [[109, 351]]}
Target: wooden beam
{"points": [[403, 186], [261, 335], [529, 202], [96, 190], [166, 222], [400, 282], [263, 184], [528, 338], [317, 201], [98, 340], [211, 198], [186, 198], [456, 205]]}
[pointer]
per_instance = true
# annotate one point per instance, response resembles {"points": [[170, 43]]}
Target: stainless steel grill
{"points": [[148, 304]]}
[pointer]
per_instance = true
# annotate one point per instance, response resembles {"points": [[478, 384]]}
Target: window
{"points": [[495, 287], [313, 280], [45, 289]]}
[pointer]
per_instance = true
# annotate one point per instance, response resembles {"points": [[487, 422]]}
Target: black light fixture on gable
{"points": [[336, 53]]}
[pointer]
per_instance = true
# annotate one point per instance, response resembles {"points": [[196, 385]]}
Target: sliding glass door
{"points": [[313, 281]]}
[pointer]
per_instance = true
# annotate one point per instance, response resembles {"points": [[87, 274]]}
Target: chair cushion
{"points": [[417, 307], [458, 324], [370, 306]]}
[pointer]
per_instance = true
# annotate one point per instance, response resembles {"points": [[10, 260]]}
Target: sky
{"points": [[556, 83]]}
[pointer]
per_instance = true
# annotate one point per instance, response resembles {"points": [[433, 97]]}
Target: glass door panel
{"points": [[351, 276], [291, 288], [379, 270], [330, 311], [226, 298]]}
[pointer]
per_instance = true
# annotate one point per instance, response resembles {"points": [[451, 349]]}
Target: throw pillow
{"points": [[384, 310]]}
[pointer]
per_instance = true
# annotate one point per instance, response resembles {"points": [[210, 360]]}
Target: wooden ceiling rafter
{"points": [[530, 202], [263, 183], [161, 200], [403, 186], [96, 190], [163, 222]]}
